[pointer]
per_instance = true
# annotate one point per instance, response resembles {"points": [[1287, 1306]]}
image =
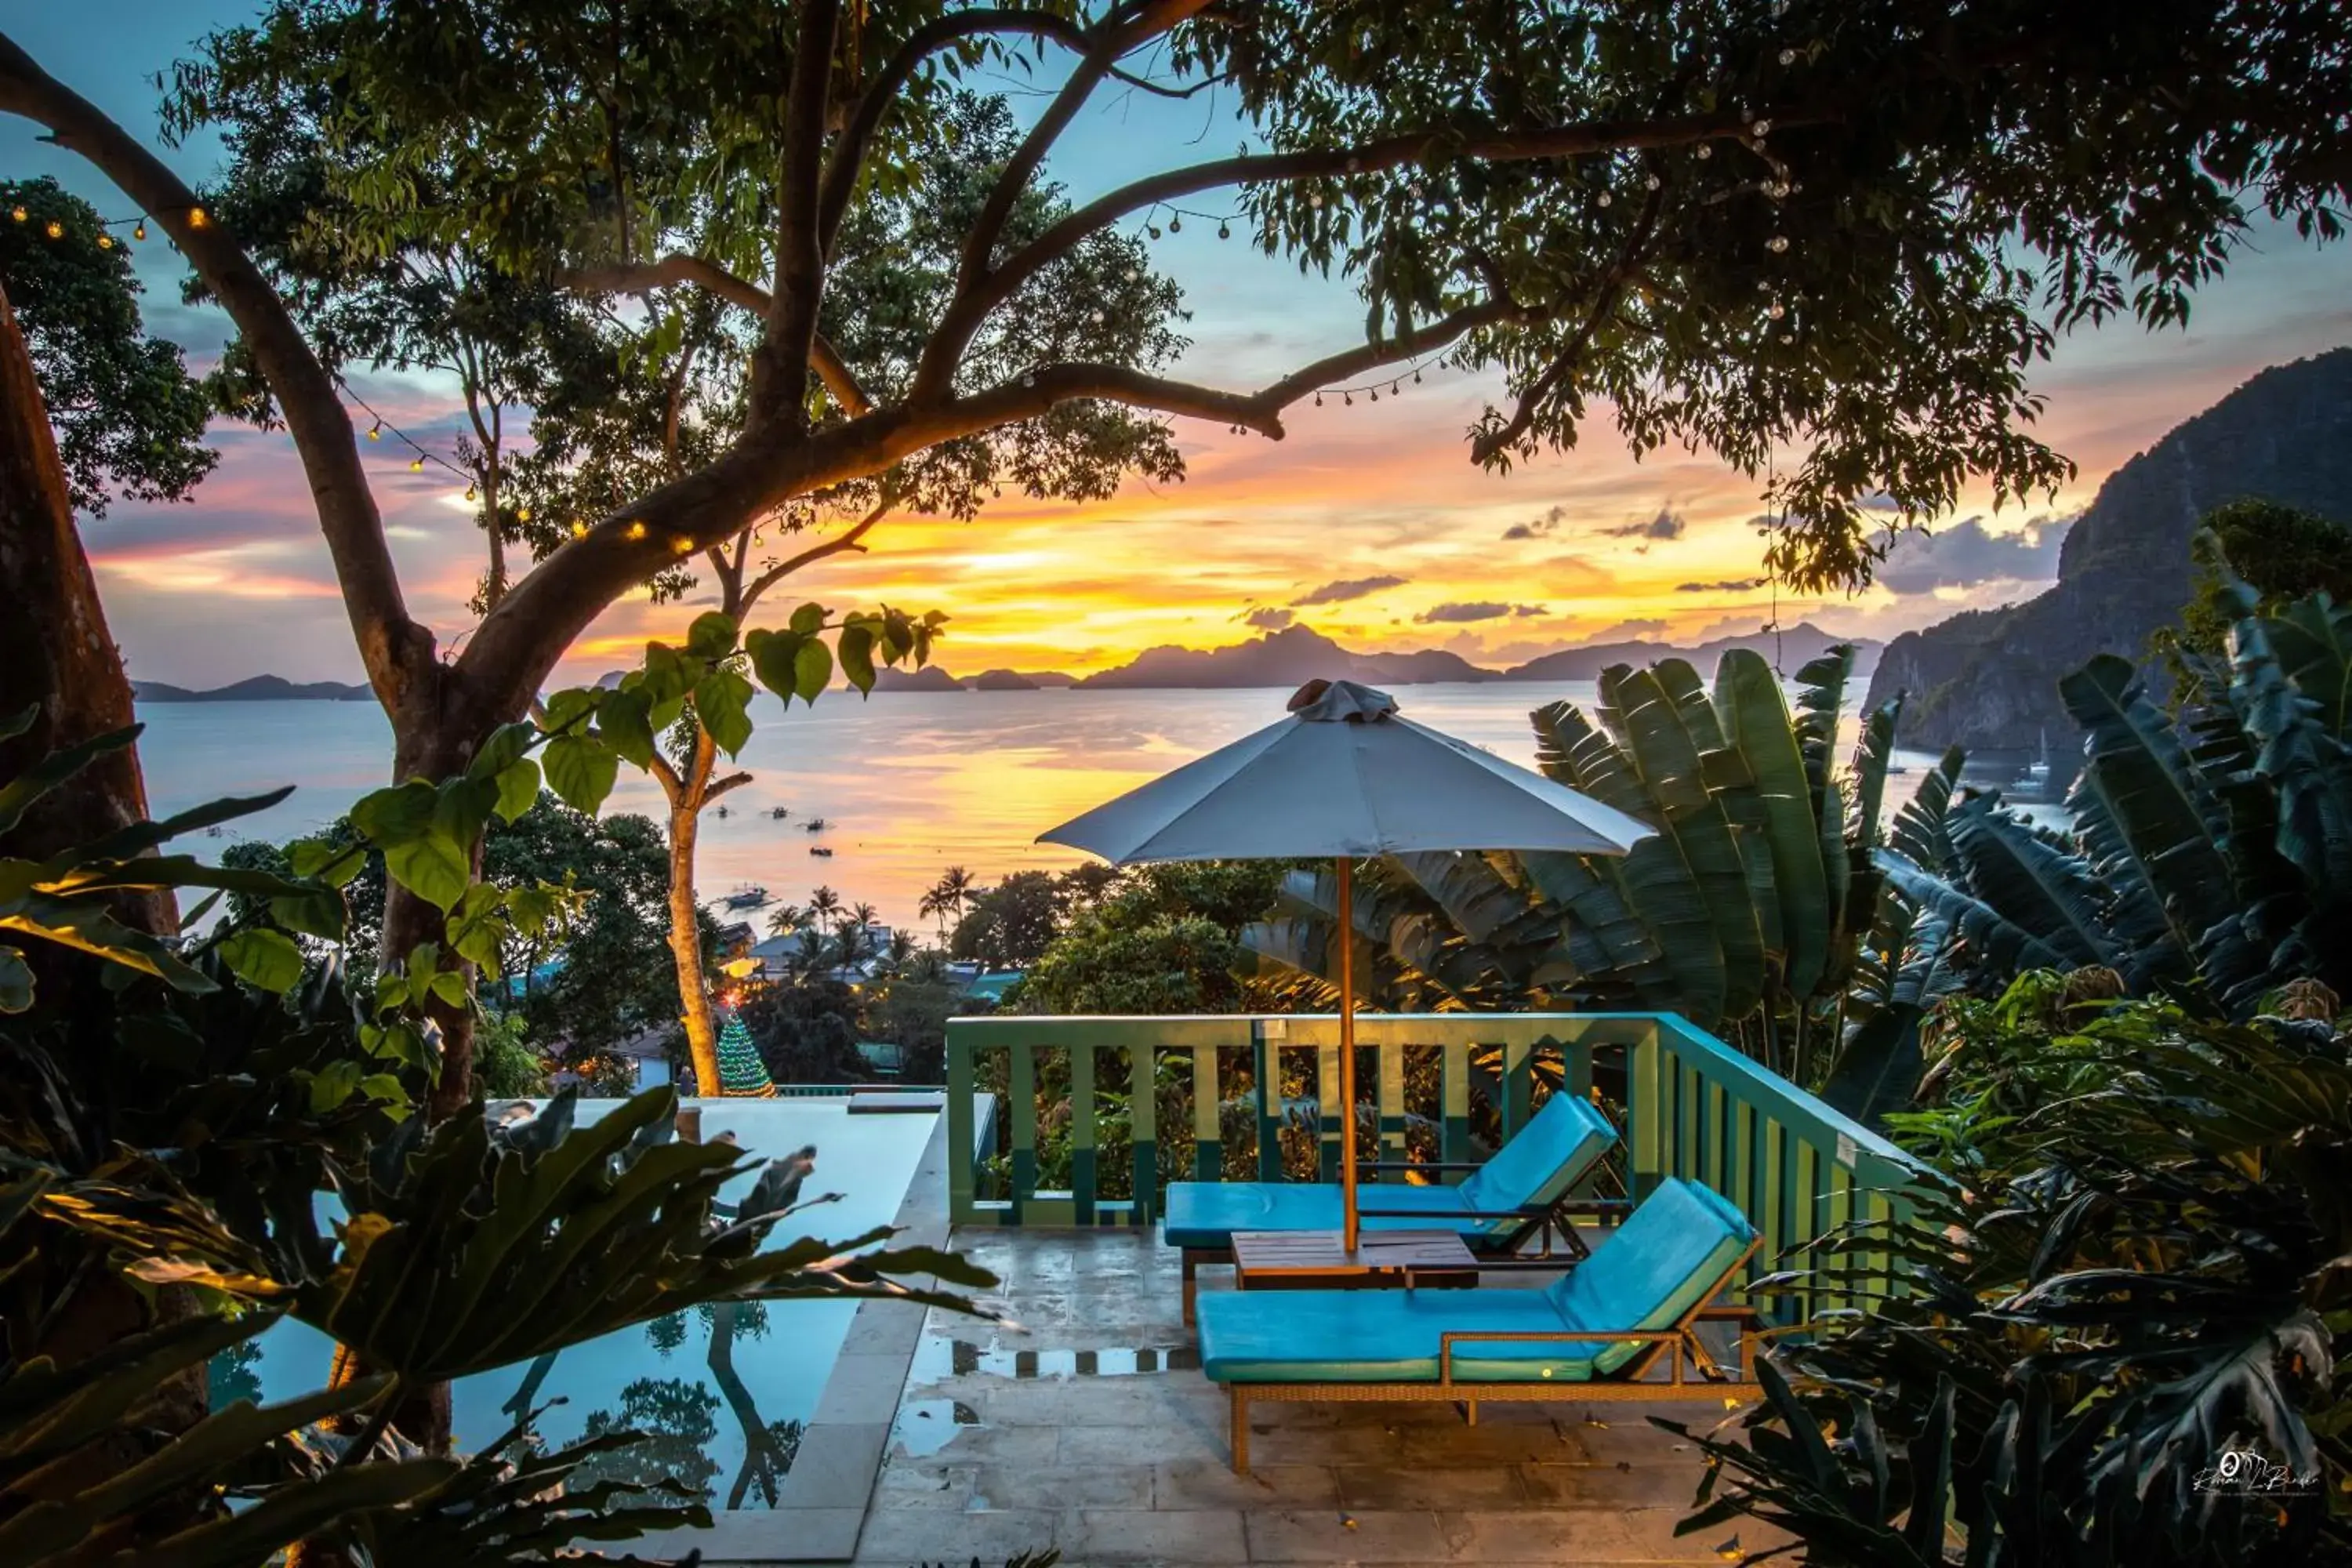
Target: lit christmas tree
{"points": [[740, 1070]]}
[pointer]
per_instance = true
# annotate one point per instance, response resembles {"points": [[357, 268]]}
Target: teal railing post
{"points": [[1021, 1089], [1646, 1152], [1208, 1121], [1454, 1102], [1388, 1070], [964, 1155], [1084, 1122], [1143, 1117], [1266, 1056], [1332, 1118]]}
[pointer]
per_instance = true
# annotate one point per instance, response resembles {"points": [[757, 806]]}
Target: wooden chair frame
{"points": [[1691, 1371]]}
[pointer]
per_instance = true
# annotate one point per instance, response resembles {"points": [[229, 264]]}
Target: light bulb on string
{"points": [[523, 514], [1224, 231], [1704, 151], [1392, 389], [1151, 230], [56, 230], [1176, 222], [1416, 378], [415, 465], [1651, 183], [1778, 311], [1788, 56], [1318, 400], [140, 231], [106, 242], [470, 492], [1376, 394], [1777, 244], [16, 213], [376, 431], [1605, 198], [1348, 398]]}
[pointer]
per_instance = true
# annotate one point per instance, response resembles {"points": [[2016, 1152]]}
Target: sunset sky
{"points": [[1368, 523]]}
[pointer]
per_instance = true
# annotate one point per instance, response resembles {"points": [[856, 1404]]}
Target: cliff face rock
{"points": [[1988, 678]]}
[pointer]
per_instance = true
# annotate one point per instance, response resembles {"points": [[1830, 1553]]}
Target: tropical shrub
{"points": [[179, 1135], [2209, 853], [2134, 1270]]}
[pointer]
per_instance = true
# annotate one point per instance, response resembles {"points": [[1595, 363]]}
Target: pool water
{"points": [[722, 1392]]}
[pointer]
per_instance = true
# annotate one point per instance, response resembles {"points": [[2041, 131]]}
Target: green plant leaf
{"points": [[15, 981], [518, 789], [263, 958], [435, 868], [580, 771], [625, 722], [856, 654], [506, 745], [808, 620], [396, 814], [711, 636], [723, 703], [54, 770], [812, 668]]}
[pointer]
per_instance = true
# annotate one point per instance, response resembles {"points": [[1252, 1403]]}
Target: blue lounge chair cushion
{"points": [[1206, 1214], [1549, 1155], [1666, 1257]]}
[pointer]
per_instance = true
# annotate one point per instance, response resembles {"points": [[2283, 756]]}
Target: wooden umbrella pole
{"points": [[1347, 1059]]}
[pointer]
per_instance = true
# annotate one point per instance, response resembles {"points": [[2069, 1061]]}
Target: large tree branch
{"points": [[779, 391], [874, 105], [516, 645], [1111, 40], [848, 540], [678, 268], [964, 318], [396, 651]]}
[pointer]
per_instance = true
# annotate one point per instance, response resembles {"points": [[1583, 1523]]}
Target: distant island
{"points": [[1300, 654], [258, 688], [1289, 658]]}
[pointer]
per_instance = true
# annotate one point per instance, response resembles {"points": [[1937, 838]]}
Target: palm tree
{"points": [[902, 949], [947, 897], [786, 919], [862, 915], [959, 889], [824, 904]]}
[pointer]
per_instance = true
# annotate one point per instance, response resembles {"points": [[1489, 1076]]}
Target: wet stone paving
{"points": [[1081, 1423]]}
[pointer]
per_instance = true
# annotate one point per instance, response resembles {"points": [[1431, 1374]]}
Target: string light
{"points": [[635, 529], [56, 230], [1788, 56], [106, 242], [579, 529], [139, 232], [376, 431], [1777, 244], [197, 217], [470, 492], [523, 514], [16, 213], [415, 465]]}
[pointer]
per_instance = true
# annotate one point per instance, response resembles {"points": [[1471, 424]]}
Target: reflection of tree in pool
{"points": [[666, 1333], [676, 1421], [769, 1447], [234, 1374]]}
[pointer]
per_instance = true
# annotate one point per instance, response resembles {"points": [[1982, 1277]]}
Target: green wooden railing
{"points": [[1692, 1107]]}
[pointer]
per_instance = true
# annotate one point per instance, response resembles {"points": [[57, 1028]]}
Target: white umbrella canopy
{"points": [[1345, 776]]}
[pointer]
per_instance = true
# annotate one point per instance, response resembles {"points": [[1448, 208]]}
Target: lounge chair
{"points": [[1597, 1335], [1523, 1188]]}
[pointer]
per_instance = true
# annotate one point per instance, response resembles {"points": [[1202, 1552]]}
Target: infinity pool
{"points": [[723, 1391]]}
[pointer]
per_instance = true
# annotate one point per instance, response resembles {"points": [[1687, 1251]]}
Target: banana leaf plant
{"points": [[1746, 914], [2209, 851]]}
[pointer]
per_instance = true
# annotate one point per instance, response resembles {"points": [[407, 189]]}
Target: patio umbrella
{"points": [[1345, 776]]}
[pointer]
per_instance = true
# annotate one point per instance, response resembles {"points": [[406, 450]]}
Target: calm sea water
{"points": [[910, 782]]}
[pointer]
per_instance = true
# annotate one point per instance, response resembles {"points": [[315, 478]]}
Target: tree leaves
{"points": [[263, 958], [722, 703], [581, 771]]}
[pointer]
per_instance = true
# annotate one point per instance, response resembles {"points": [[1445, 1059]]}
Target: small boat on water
{"points": [[749, 898], [778, 812], [815, 824], [821, 851], [2036, 775]]}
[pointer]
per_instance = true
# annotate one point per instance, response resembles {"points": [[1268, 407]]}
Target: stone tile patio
{"points": [[1082, 1422]]}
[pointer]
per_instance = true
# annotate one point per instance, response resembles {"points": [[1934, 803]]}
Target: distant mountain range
{"points": [[1300, 654], [260, 689], [1989, 678], [1289, 657]]}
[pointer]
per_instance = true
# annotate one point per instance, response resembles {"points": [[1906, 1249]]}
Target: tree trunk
{"points": [[58, 657], [430, 744], [685, 917]]}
